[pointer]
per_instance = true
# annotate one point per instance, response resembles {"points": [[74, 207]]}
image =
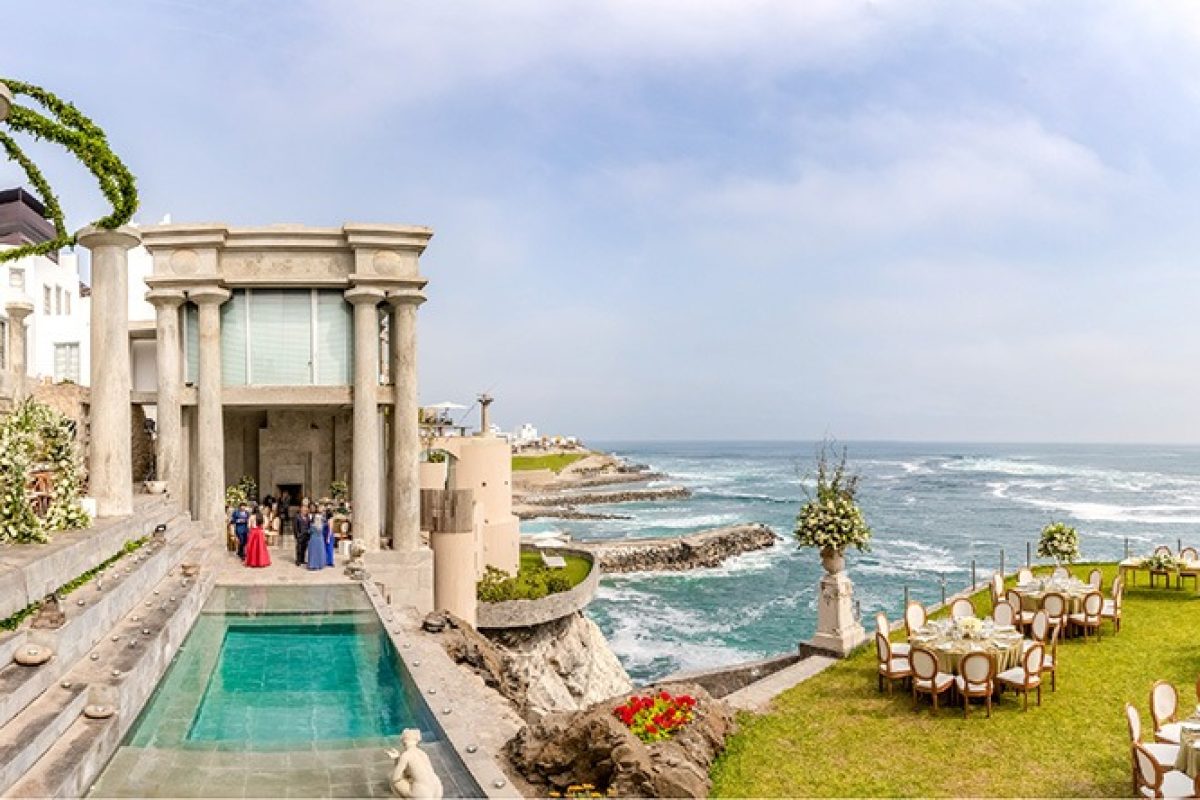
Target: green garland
{"points": [[87, 142]]}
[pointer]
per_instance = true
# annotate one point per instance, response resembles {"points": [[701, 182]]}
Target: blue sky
{"points": [[727, 219]]}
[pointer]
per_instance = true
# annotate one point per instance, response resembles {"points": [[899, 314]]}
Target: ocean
{"points": [[933, 508]]}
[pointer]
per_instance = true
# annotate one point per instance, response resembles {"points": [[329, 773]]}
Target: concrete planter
{"points": [[527, 613]]}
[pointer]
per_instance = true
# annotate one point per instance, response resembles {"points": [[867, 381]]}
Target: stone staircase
{"points": [[121, 631]]}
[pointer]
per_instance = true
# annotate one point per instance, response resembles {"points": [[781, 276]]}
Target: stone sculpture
{"points": [[49, 615], [414, 776]]}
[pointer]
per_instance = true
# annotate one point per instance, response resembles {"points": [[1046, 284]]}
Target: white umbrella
{"points": [[446, 405]]}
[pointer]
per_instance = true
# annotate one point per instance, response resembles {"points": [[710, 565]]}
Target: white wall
{"points": [[65, 321]]}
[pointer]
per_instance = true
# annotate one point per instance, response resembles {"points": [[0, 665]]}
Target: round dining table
{"points": [[1073, 589], [1003, 642]]}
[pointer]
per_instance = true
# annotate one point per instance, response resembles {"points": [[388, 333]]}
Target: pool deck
{"points": [[230, 571]]}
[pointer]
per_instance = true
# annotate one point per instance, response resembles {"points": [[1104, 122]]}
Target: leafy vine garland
{"points": [[87, 142]]}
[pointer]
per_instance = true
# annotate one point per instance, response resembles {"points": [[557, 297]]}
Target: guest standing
{"points": [[302, 526], [330, 540], [256, 544], [241, 528], [316, 542]]}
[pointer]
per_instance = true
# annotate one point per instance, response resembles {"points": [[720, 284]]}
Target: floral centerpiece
{"points": [[1160, 562], [1060, 542], [970, 627], [653, 718], [831, 520]]}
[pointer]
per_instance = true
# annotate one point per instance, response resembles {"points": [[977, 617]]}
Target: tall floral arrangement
{"points": [[1060, 542], [831, 519], [33, 436]]}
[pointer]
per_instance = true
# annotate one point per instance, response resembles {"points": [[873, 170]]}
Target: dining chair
{"points": [[997, 587], [1162, 549], [1023, 618], [892, 668], [1163, 754], [1112, 608], [1089, 616], [1060, 573], [899, 649], [1003, 614], [927, 678], [1039, 630], [1096, 579], [962, 607], [1164, 705], [914, 618], [1157, 781], [1188, 557], [976, 678], [1050, 658], [1024, 575], [1055, 606], [1026, 676]]}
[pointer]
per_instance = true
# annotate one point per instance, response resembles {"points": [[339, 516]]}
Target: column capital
{"points": [[18, 310], [166, 298], [125, 237], [209, 295], [405, 297], [368, 295]]}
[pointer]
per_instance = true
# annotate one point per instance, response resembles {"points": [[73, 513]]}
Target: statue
{"points": [[50, 614], [414, 776]]}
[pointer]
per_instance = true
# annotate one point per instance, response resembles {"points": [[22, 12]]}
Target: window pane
{"points": [[66, 362], [281, 336], [233, 340], [191, 341], [335, 338]]}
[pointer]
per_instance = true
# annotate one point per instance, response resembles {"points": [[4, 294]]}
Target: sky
{"points": [[670, 219]]}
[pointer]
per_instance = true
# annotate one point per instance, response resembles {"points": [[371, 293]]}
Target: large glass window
{"points": [[233, 340], [335, 339], [281, 337], [66, 362]]}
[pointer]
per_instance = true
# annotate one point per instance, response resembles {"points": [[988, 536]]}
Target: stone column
{"points": [[210, 455], [406, 437], [169, 359], [364, 472], [18, 346], [838, 629], [110, 474]]}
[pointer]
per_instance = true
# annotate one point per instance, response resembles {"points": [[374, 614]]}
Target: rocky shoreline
{"points": [[569, 499], [705, 549]]}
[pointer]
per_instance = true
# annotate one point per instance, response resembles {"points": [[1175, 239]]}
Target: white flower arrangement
{"points": [[970, 627], [1060, 542], [831, 520]]}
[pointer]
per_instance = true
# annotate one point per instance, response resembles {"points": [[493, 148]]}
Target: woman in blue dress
{"points": [[315, 557], [329, 540]]}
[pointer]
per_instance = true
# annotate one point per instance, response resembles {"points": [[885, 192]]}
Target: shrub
{"points": [[530, 583]]}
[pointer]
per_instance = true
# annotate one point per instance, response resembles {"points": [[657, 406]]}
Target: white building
{"points": [[57, 337], [525, 434]]}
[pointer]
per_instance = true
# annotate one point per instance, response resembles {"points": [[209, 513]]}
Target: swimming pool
{"points": [[291, 691]]}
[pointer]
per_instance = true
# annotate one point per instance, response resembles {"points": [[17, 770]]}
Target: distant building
{"points": [[525, 434]]}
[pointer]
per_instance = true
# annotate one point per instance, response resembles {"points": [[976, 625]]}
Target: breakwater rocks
{"points": [[570, 499], [704, 549], [554, 512]]}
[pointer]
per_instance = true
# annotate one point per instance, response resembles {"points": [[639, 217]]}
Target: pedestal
{"points": [[405, 577], [838, 632]]}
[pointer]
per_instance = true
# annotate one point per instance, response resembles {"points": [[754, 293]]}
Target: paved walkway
{"points": [[758, 695], [283, 570]]}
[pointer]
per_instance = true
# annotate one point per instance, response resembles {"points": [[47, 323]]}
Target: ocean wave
{"points": [[750, 496]]}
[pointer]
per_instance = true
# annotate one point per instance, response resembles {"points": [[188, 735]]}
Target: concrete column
{"points": [[168, 454], [18, 346], [406, 438], [110, 474], [365, 467], [210, 455]]}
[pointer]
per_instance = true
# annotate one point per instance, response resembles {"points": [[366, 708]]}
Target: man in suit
{"points": [[300, 526], [241, 527]]}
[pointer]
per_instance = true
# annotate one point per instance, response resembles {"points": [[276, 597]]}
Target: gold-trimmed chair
{"points": [[976, 678], [962, 608], [927, 678], [1090, 614], [1024, 576], [1023, 618], [1188, 555], [1164, 706], [1096, 580], [1165, 574], [997, 586], [1055, 606], [899, 649], [1003, 614], [1111, 610], [1027, 676], [914, 618], [892, 668], [1154, 780], [1163, 754], [1050, 658]]}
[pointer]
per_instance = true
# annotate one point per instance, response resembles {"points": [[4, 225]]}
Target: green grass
{"points": [[836, 735], [576, 570], [555, 462]]}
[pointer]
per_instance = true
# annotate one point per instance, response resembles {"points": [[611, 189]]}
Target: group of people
{"points": [[311, 526]]}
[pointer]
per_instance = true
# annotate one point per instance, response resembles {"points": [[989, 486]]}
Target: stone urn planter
{"points": [[834, 561]]}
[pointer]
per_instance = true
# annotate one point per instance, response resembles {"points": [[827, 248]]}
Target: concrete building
{"points": [[267, 361]]}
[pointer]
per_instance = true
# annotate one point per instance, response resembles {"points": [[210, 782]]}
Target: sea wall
{"points": [[704, 549]]}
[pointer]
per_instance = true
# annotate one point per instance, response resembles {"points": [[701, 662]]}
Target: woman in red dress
{"points": [[256, 544]]}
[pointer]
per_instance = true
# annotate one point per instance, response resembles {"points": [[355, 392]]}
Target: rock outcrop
{"points": [[563, 665], [554, 512], [704, 549], [593, 746], [620, 496]]}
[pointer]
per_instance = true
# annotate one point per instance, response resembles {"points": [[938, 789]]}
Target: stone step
{"points": [[87, 625], [32, 732], [758, 695]]}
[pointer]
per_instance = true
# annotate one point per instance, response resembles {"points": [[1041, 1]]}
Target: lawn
{"points": [[576, 570], [555, 462], [836, 735]]}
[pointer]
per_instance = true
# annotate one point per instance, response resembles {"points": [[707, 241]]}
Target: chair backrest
{"points": [[1163, 549], [1148, 774], [1055, 605], [1032, 660], [1040, 625], [923, 662], [1093, 604], [1014, 599], [997, 587], [1188, 554], [883, 648], [881, 623], [914, 617], [1003, 614], [1024, 575], [1052, 644], [1135, 723], [1096, 579], [977, 668], [961, 607], [1060, 572], [1164, 701]]}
